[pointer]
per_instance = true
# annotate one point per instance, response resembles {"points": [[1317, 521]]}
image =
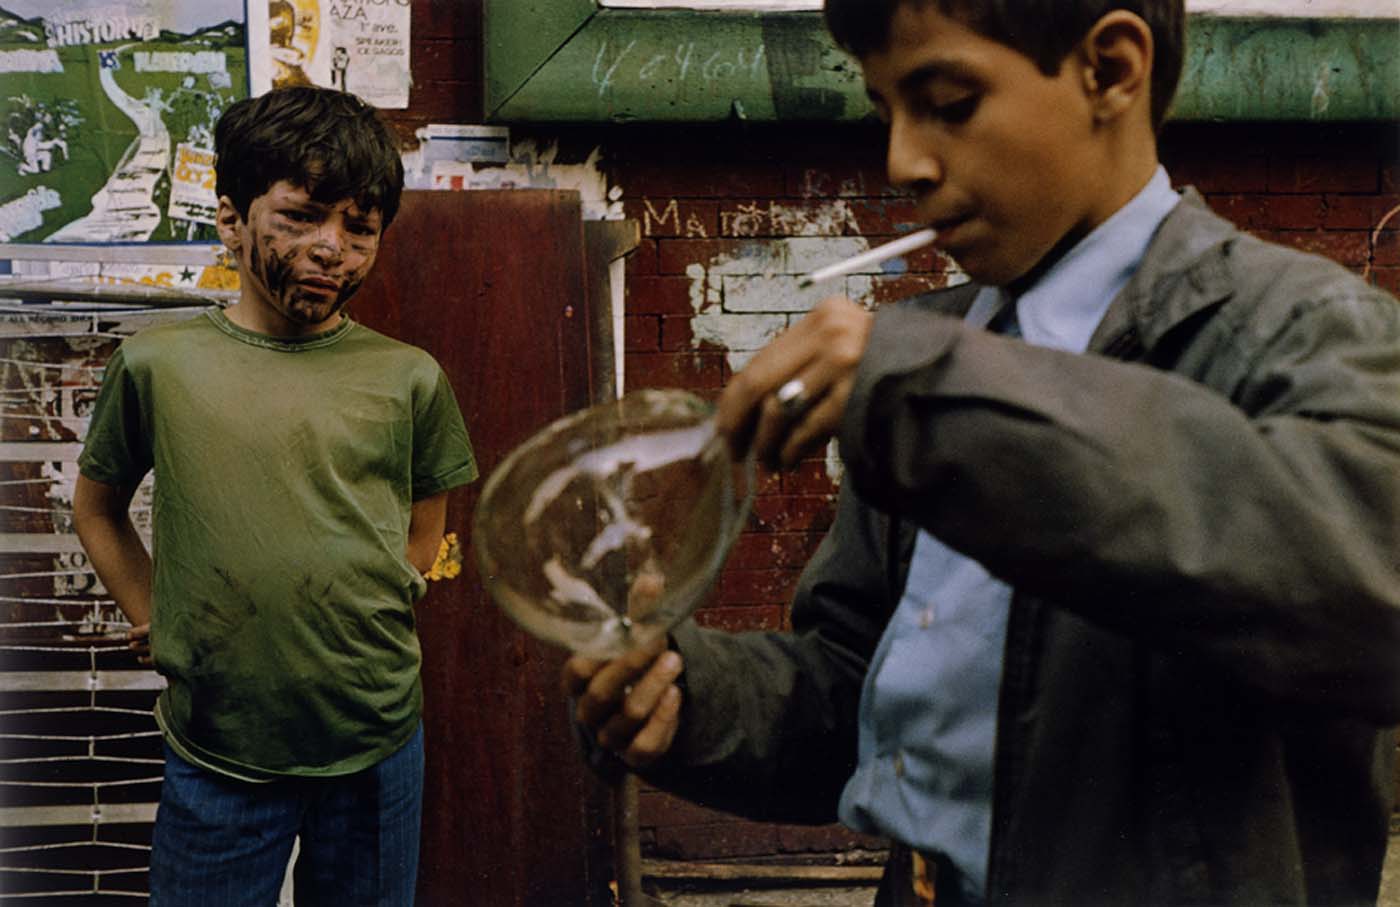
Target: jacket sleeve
{"points": [[768, 722], [1254, 522]]}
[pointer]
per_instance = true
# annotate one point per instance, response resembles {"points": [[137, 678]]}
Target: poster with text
{"points": [[101, 100], [360, 46]]}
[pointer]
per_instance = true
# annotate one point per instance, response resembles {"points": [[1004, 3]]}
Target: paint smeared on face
{"points": [[301, 259]]}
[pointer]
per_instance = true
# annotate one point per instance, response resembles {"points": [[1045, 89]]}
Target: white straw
{"points": [[891, 249]]}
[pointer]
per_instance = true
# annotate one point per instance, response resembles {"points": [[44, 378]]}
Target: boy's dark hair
{"points": [[1043, 30], [330, 142]]}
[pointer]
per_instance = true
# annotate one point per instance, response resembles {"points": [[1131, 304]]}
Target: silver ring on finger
{"points": [[792, 398]]}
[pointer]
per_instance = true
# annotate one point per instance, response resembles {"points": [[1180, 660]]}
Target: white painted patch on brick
{"points": [[743, 300], [770, 294], [794, 255], [760, 279], [747, 333], [861, 288]]}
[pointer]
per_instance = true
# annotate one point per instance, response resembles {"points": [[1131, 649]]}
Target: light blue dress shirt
{"points": [[928, 711]]}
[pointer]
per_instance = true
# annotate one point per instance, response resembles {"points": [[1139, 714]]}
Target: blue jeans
{"points": [[219, 842]]}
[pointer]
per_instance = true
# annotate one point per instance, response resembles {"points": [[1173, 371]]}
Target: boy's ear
{"points": [[1118, 52], [227, 220]]}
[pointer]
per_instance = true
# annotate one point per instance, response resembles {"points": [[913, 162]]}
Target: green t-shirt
{"points": [[285, 468]]}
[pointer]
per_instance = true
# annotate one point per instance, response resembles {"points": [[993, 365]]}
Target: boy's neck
{"points": [[1139, 164], [259, 319]]}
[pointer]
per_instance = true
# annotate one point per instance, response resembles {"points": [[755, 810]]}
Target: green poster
{"points": [[107, 111]]}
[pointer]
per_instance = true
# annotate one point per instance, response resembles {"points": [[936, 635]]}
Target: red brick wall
{"points": [[731, 213], [446, 64]]}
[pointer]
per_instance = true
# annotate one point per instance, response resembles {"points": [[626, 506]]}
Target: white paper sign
{"points": [[360, 46]]}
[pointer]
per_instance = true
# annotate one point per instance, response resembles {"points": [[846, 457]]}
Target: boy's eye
{"points": [[298, 215], [958, 110]]}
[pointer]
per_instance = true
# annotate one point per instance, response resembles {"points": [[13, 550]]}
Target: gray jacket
{"points": [[1201, 519]]}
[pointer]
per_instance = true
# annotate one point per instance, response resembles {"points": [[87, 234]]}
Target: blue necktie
{"points": [[1005, 321]]}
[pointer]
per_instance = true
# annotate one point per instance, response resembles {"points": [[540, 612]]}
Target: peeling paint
{"points": [[1321, 96], [530, 166]]}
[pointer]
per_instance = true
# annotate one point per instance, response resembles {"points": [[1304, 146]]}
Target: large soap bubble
{"points": [[609, 526]]}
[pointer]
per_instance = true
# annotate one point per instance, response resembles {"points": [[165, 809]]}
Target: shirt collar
{"points": [[1063, 308]]}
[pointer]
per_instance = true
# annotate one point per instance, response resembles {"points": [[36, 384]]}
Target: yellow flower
{"points": [[449, 559]]}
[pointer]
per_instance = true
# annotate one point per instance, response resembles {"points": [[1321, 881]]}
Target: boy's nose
{"points": [[326, 246], [910, 160]]}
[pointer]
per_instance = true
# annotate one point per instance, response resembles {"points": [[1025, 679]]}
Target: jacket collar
{"points": [[1185, 271]]}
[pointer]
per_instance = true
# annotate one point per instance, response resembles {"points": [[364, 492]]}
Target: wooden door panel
{"points": [[493, 285]]}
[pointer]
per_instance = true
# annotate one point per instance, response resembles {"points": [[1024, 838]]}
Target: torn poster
{"points": [[96, 98]]}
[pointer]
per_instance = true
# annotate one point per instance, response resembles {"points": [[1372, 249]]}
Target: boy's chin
{"points": [[309, 313], [980, 273], [992, 273]]}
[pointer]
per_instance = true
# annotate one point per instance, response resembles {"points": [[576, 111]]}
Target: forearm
{"points": [[427, 522], [422, 553], [767, 728], [114, 548], [121, 561], [769, 720]]}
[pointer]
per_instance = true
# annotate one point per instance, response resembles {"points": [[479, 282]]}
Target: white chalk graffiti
{"points": [[707, 65]]}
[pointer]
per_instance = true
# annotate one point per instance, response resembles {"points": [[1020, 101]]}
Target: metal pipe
{"points": [[80, 289]]}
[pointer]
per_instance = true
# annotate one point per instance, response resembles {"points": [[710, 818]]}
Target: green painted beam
{"points": [[658, 66], [1291, 69], [621, 65], [521, 36]]}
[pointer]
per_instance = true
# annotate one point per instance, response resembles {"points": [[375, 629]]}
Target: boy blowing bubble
{"points": [[302, 464], [1110, 610]]}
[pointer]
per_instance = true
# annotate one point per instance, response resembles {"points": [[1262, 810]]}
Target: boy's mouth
{"points": [[321, 286], [947, 230]]}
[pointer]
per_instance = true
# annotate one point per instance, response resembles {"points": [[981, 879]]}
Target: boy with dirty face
{"points": [[301, 464], [1109, 612]]}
